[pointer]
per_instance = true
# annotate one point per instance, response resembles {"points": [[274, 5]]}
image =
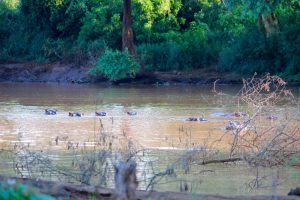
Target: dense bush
{"points": [[103, 21], [250, 53], [78, 52], [116, 65], [278, 53], [195, 48], [8, 18], [162, 56], [290, 42]]}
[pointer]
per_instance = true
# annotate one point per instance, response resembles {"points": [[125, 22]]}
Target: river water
{"points": [[160, 124]]}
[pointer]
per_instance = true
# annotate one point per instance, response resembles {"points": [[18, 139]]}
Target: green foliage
{"points": [[103, 20], [195, 48], [252, 53], [24, 46], [11, 5], [290, 42], [191, 10], [152, 19], [92, 197], [233, 23], [115, 66], [41, 30], [257, 7], [66, 17], [57, 18], [20, 192], [162, 56], [169, 34], [7, 18]]}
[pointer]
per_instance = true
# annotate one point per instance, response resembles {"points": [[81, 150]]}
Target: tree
{"points": [[127, 35]]}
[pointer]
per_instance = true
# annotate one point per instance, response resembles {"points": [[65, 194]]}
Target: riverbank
{"points": [[55, 72], [71, 73], [61, 190]]}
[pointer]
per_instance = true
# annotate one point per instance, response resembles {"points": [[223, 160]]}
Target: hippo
{"points": [[131, 113], [192, 119], [100, 114], [239, 114], [50, 111], [75, 114], [202, 119], [233, 125], [272, 117]]}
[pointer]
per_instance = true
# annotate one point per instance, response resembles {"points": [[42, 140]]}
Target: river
{"points": [[160, 125]]}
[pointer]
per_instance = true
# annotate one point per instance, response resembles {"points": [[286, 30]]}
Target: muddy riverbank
{"points": [[71, 73], [55, 72]]}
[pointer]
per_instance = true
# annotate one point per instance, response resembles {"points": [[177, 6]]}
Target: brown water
{"points": [[161, 111], [159, 123]]}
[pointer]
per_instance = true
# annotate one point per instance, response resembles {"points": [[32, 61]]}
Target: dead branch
{"points": [[125, 180], [227, 160]]}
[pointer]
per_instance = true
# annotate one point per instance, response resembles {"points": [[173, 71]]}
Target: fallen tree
{"points": [[61, 190]]}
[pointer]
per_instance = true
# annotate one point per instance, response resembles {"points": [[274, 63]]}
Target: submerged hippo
{"points": [[239, 114], [233, 125], [192, 119], [202, 119], [239, 126], [50, 111], [272, 117], [131, 113], [235, 114], [100, 113], [75, 114], [195, 119]]}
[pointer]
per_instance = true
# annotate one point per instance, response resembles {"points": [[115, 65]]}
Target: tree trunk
{"points": [[125, 180], [268, 24], [127, 35]]}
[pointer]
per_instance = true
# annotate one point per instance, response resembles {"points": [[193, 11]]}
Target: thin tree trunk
{"points": [[268, 24], [127, 36]]}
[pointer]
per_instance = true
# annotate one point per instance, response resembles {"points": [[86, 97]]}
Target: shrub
{"points": [[24, 46], [116, 65], [252, 52], [80, 52], [161, 56], [193, 49]]}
